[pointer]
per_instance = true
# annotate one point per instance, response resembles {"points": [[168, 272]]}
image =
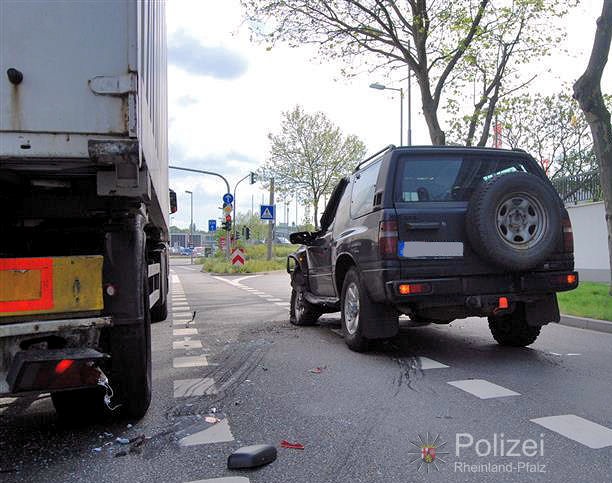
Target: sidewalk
{"points": [[586, 323]]}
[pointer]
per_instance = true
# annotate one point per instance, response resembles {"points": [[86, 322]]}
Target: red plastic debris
{"points": [[286, 444], [317, 370]]}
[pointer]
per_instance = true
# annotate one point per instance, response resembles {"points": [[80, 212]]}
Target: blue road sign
{"points": [[266, 212], [228, 198], [212, 225]]}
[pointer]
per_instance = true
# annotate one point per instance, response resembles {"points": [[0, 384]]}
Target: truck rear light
{"points": [[387, 238], [413, 288], [54, 369], [568, 235]]}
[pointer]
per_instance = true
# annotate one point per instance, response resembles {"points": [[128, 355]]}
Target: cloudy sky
{"points": [[227, 93]]}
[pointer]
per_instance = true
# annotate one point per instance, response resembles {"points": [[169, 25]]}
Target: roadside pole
{"points": [[271, 222]]}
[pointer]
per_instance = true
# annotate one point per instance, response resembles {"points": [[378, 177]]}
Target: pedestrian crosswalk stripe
{"points": [[194, 387], [229, 479], [176, 279], [588, 433], [427, 363], [283, 304], [187, 344], [179, 314], [218, 433], [483, 389], [182, 332], [189, 361]]}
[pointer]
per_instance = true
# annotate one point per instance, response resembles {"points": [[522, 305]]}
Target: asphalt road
{"points": [[543, 413]]}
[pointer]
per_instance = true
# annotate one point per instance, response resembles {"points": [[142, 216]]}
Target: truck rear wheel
{"points": [[513, 330], [131, 356]]}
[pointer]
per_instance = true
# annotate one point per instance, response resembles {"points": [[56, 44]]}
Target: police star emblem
{"points": [[428, 452]]}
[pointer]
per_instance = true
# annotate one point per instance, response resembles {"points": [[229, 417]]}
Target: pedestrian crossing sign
{"points": [[266, 212]]}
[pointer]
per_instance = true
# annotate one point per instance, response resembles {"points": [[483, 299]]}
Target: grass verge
{"points": [[255, 260], [590, 299]]}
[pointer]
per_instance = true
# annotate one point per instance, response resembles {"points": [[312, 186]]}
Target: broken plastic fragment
{"points": [[286, 444], [122, 440], [251, 456], [317, 370], [211, 419], [97, 450]]}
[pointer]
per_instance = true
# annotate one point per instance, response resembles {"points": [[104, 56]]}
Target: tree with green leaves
{"points": [[587, 91], [309, 155], [453, 47], [552, 128]]}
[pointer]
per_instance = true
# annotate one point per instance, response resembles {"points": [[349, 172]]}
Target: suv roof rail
{"points": [[384, 150]]}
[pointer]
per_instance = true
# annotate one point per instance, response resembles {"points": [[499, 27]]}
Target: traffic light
{"points": [[247, 233], [253, 178], [227, 224]]}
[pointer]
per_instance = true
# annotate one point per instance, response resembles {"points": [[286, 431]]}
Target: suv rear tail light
{"points": [[387, 238], [413, 288], [568, 279], [568, 235]]}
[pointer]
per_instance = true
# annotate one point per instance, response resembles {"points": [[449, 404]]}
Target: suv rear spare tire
{"points": [[514, 221]]}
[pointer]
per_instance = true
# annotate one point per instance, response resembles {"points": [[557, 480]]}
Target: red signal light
{"points": [[228, 217]]}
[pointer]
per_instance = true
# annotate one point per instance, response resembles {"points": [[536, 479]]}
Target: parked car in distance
{"points": [[437, 233]]}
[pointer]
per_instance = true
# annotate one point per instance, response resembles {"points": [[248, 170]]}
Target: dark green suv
{"points": [[437, 233]]}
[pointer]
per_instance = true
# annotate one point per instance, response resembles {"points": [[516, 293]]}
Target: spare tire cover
{"points": [[514, 221]]}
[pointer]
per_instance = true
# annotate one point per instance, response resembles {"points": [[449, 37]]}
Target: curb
{"points": [[586, 323]]}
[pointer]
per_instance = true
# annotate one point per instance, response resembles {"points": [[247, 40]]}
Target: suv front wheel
{"points": [[513, 330], [302, 312]]}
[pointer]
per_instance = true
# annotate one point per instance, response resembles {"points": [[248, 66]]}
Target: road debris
{"points": [[129, 426], [252, 456], [97, 450], [317, 370], [211, 419], [286, 444], [123, 440]]}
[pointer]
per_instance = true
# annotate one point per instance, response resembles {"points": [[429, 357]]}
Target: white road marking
{"points": [[578, 429], [238, 280], [573, 354], [181, 305], [187, 344], [427, 363], [189, 361], [182, 314], [218, 433], [264, 295], [228, 479], [483, 389], [182, 332], [282, 304], [176, 279], [194, 387], [274, 300]]}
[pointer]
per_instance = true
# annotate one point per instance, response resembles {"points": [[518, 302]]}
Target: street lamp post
{"points": [[382, 87], [191, 228]]}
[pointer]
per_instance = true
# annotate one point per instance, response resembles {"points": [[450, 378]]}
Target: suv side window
{"points": [[364, 186]]}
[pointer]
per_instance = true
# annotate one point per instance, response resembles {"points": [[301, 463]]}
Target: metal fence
{"points": [[583, 187]]}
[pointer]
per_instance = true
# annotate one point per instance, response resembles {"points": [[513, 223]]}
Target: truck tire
{"points": [[302, 312], [134, 365], [514, 221], [363, 319], [513, 330]]}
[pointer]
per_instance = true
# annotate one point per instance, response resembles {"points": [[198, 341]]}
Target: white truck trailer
{"points": [[84, 185]]}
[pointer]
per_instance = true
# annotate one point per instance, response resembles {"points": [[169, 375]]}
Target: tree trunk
{"points": [[587, 91], [315, 205], [430, 112]]}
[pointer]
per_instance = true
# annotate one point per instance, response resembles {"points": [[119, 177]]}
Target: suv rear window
{"points": [[449, 178]]}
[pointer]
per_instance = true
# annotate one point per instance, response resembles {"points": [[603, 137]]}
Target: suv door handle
{"points": [[423, 225]]}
